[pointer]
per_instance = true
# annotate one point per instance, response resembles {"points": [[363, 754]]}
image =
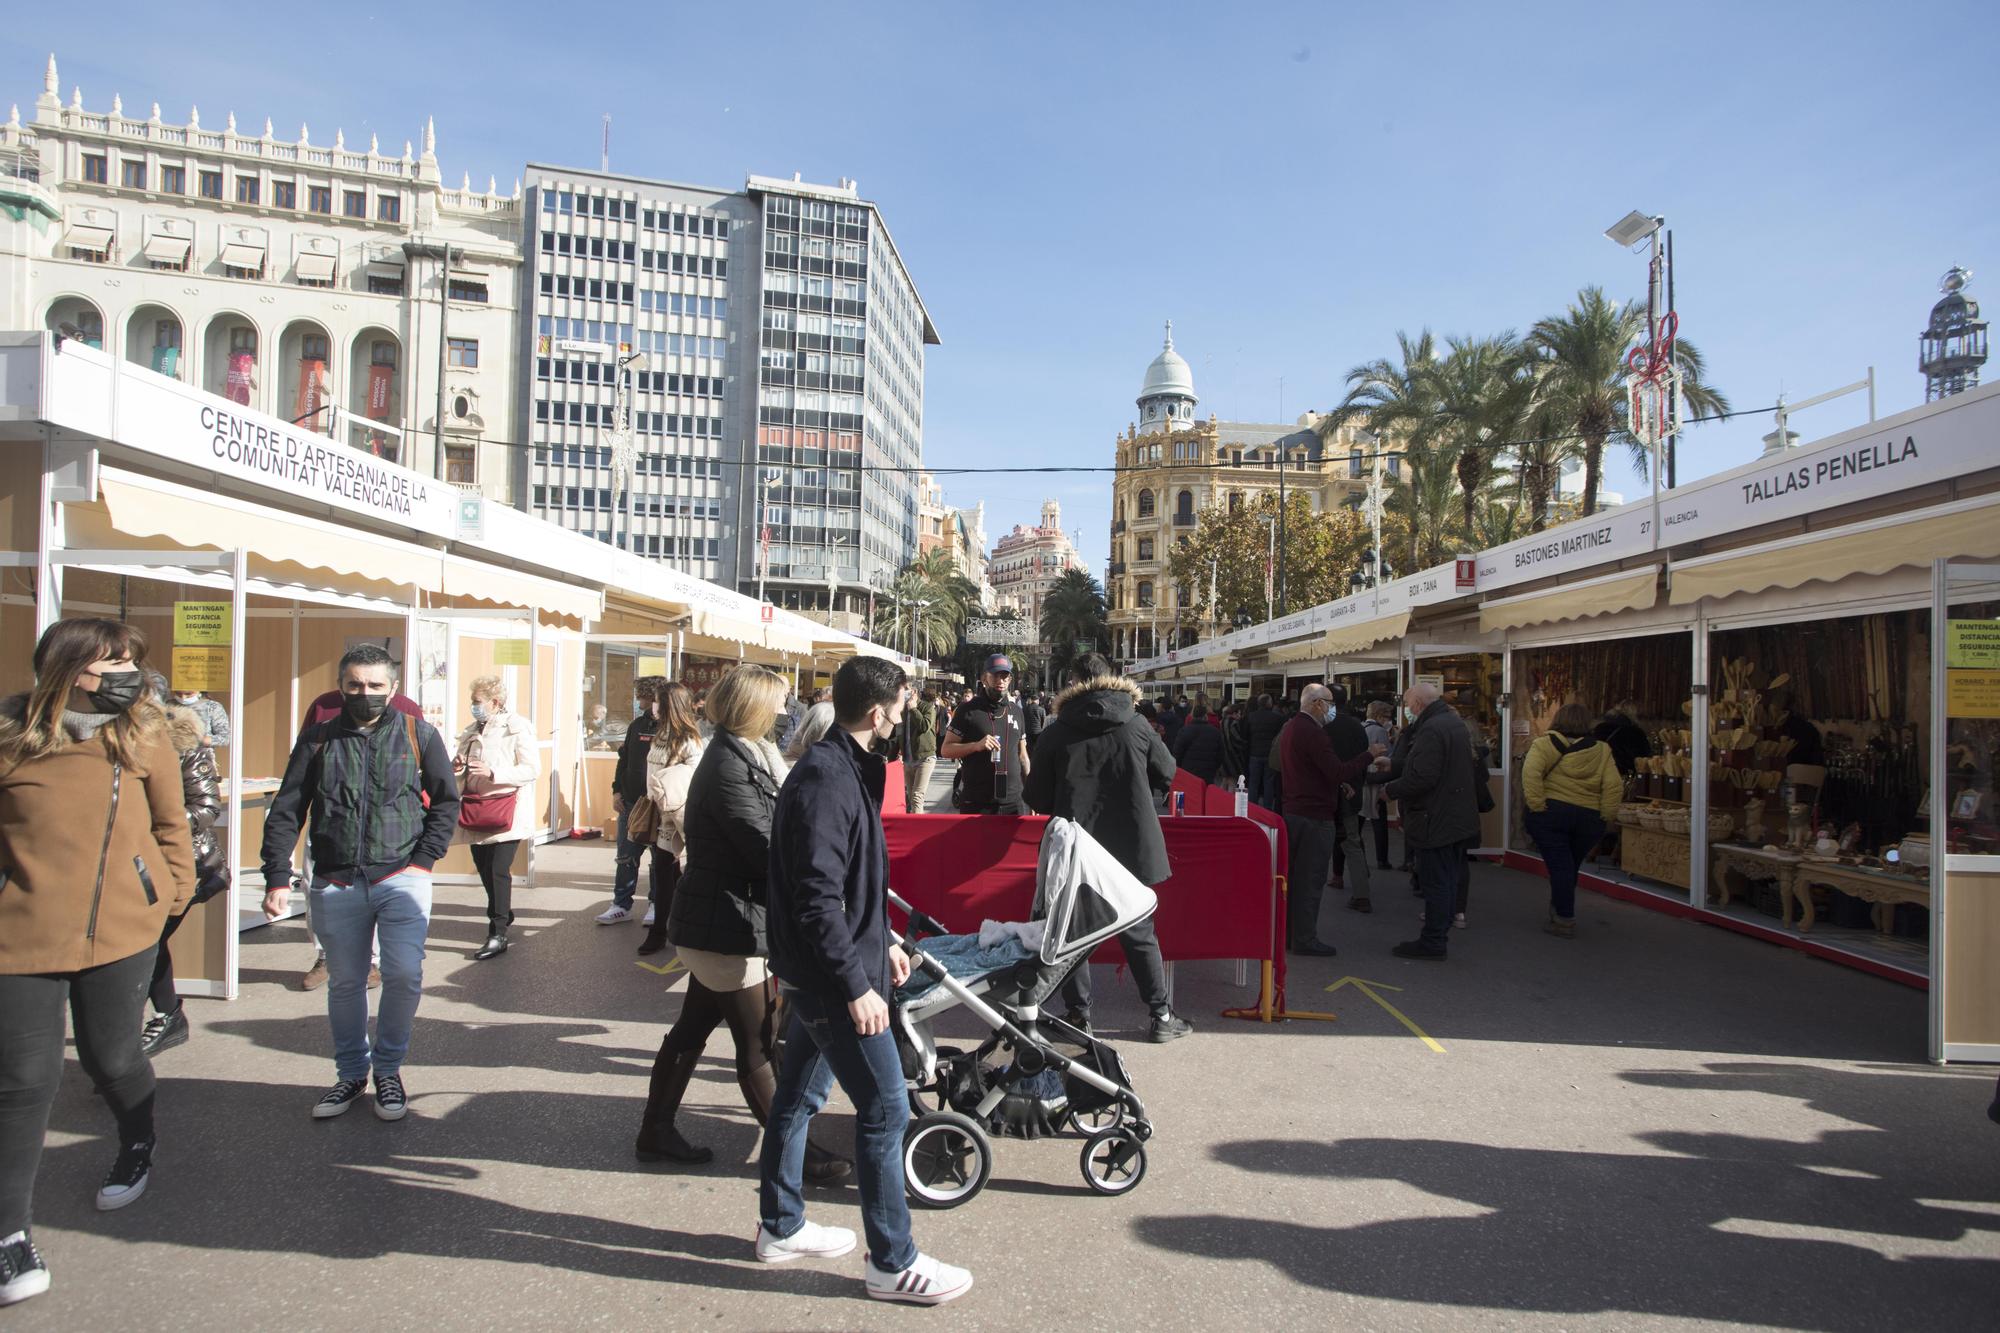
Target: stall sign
{"points": [[204, 669], [703, 673], [649, 666], [1972, 693], [201, 624], [1433, 679], [1972, 644], [510, 652], [1865, 463]]}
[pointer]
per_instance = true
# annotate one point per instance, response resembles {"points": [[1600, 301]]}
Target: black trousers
{"points": [[166, 998], [1149, 972], [663, 875], [105, 1002], [1379, 817], [495, 862]]}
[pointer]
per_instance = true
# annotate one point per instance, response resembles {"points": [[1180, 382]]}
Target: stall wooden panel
{"points": [[1971, 942]]}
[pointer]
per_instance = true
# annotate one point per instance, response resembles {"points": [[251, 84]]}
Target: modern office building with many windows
{"points": [[764, 346]]}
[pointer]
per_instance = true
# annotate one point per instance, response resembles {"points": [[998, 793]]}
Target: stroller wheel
{"points": [[1113, 1161], [1098, 1119], [947, 1159]]}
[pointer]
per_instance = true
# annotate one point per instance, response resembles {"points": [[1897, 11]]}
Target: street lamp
{"points": [[1627, 232], [765, 483]]}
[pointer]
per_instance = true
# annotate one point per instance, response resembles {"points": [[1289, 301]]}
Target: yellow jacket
{"points": [[1576, 771]]}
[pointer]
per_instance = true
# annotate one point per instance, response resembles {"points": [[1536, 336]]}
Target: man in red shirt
{"points": [[1313, 776]]}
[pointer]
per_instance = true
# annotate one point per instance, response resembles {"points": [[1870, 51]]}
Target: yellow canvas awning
{"points": [[1308, 651], [1636, 591], [512, 587], [1217, 662], [1967, 531], [1354, 638], [140, 511]]}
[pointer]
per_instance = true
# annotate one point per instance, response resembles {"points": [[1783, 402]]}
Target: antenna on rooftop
{"points": [[607, 144]]}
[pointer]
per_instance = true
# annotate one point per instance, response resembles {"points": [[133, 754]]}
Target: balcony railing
{"points": [[1117, 526], [1116, 568]]}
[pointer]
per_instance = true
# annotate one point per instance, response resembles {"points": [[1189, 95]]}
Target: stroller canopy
{"points": [[1082, 893]]}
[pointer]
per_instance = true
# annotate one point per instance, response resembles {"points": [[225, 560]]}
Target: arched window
{"points": [[1146, 503], [1145, 548], [1145, 592], [1184, 508]]}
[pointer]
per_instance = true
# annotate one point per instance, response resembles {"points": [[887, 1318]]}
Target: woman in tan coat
{"points": [[94, 853], [495, 760]]}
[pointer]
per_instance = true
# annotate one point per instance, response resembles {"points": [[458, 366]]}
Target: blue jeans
{"points": [[346, 917], [821, 1045], [1564, 834], [625, 883]]}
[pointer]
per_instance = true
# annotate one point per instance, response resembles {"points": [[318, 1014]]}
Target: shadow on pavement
{"points": [[1838, 1231]]}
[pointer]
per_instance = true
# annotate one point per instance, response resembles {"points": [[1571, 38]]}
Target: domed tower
{"points": [[1167, 400], [1953, 348]]}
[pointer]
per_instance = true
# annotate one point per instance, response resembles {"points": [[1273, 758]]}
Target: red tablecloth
{"points": [[964, 869]]}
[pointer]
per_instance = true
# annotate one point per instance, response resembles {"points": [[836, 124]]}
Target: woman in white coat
{"points": [[670, 764], [497, 765]]}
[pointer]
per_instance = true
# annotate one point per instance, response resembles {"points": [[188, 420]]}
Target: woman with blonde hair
{"points": [[1572, 788], [95, 851], [670, 764], [496, 763], [716, 921]]}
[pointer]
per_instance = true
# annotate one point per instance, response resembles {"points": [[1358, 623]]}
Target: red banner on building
{"points": [[312, 395], [242, 370], [381, 388]]}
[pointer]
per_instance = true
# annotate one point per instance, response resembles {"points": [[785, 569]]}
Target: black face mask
{"points": [[116, 691], [362, 708]]}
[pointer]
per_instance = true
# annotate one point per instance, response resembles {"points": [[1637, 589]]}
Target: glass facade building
{"points": [[781, 347]]}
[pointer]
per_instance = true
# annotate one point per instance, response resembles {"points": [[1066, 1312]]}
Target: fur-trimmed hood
{"points": [[1100, 704], [184, 730]]}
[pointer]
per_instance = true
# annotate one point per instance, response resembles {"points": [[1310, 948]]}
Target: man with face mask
{"points": [[379, 789], [988, 738], [830, 947]]}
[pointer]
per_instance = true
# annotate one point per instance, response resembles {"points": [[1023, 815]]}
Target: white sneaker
{"points": [[614, 914], [1459, 920], [651, 912], [810, 1241], [925, 1282]]}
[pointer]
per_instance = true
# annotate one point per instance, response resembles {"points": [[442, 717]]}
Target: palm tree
{"points": [[1481, 390], [917, 615], [1073, 610], [1426, 499], [1584, 376]]}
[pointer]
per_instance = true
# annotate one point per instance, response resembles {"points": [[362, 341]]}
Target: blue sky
{"points": [[1290, 184]]}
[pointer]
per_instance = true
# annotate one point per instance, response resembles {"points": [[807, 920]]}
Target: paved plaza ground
{"points": [[1655, 1124]]}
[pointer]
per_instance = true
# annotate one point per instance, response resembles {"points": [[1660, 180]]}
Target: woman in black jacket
{"points": [[716, 923], [201, 786], [1198, 747], [1102, 765]]}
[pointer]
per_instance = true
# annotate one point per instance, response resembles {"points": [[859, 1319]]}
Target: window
{"points": [[459, 467], [462, 290], [248, 188], [1184, 509], [1146, 504], [1145, 592], [385, 284], [354, 203], [211, 185], [284, 194], [96, 169], [1235, 501], [1145, 548], [463, 352], [132, 175], [389, 208], [319, 199], [173, 180]]}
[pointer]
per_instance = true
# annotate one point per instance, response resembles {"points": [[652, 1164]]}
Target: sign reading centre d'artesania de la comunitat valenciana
{"points": [[162, 416], [1913, 449]]}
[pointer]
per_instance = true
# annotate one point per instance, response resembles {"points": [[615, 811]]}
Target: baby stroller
{"points": [[1017, 1078]]}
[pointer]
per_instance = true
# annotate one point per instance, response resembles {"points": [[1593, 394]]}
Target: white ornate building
{"points": [[305, 279], [1027, 562]]}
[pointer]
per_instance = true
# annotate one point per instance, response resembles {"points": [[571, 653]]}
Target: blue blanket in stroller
{"points": [[965, 958]]}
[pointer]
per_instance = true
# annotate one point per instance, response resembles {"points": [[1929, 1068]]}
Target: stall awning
{"points": [[242, 254], [1969, 530], [511, 587], [167, 249], [87, 236], [315, 267], [1636, 591], [1354, 638], [1308, 651], [139, 510], [1217, 662]]}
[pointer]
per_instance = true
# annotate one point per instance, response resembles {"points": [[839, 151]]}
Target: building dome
{"points": [[1169, 375]]}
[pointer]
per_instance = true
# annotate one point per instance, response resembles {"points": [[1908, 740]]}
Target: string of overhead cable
{"points": [[949, 471]]}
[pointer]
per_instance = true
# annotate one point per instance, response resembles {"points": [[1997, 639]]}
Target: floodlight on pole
{"points": [[1633, 228]]}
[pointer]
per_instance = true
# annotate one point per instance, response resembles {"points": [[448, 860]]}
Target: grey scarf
{"points": [[82, 726]]}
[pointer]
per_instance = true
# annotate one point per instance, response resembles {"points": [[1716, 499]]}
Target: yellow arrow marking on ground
{"points": [[675, 966], [1368, 988]]}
